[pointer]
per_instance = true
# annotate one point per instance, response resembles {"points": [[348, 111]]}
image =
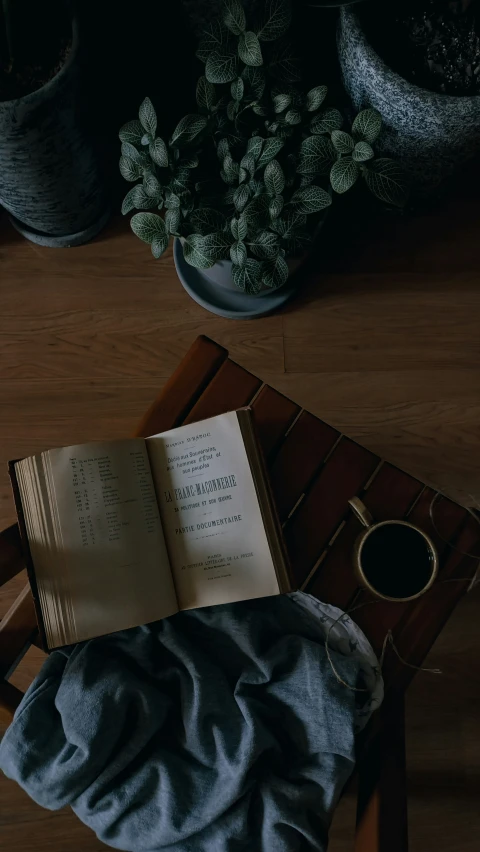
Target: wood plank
{"points": [[10, 698], [16, 628], [299, 459], [425, 619], [389, 496], [11, 558], [427, 422], [181, 392], [390, 308], [112, 345], [376, 621], [232, 387], [326, 504], [273, 414]]}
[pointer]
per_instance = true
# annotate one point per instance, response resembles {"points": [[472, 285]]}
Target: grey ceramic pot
{"points": [[430, 133], [215, 291], [50, 175]]}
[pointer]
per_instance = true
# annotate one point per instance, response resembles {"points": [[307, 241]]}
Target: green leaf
{"points": [[292, 116], [241, 197], [249, 49], [315, 98], [275, 272], [221, 67], [248, 277], [231, 169], [239, 227], [234, 16], [326, 121], [132, 132], [147, 226], [159, 245], [256, 186], [146, 139], [152, 185], [259, 109], [188, 163], [248, 164], [254, 146], [129, 169], [256, 211], [206, 219], [238, 253], [343, 174], [270, 150], [172, 220], [204, 251], [205, 94], [363, 152], [264, 245], [232, 109], [275, 207], [367, 125], [158, 152], [137, 197], [316, 156], [311, 199], [148, 116], [274, 178], [387, 180], [129, 151], [255, 77], [284, 64], [281, 102], [187, 129], [237, 89], [181, 180], [342, 141], [288, 225], [215, 38], [276, 20], [223, 149]]}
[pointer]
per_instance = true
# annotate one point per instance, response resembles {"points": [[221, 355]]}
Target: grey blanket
{"points": [[217, 730]]}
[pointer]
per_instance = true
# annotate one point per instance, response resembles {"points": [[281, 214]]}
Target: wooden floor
{"points": [[383, 342]]}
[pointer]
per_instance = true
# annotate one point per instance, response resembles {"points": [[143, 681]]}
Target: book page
{"points": [[115, 563], [210, 513]]}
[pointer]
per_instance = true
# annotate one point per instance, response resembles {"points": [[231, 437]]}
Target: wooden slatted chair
{"points": [[314, 471]]}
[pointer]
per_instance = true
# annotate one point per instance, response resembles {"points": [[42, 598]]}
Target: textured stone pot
{"points": [[430, 133], [51, 179]]}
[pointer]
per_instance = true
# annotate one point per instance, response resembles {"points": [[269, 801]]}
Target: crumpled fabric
{"points": [[220, 729]]}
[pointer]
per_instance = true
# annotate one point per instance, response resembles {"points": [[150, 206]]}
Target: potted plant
{"points": [[246, 181], [51, 180], [419, 64]]}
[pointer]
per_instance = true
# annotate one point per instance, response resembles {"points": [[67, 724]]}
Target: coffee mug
{"points": [[394, 560]]}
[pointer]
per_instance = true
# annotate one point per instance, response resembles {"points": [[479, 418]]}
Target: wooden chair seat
{"points": [[314, 470]]}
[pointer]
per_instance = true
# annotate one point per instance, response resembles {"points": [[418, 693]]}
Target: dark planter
{"points": [[51, 178], [431, 134]]}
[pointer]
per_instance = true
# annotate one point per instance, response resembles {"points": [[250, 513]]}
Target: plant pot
{"points": [[215, 290], [51, 179], [431, 134]]}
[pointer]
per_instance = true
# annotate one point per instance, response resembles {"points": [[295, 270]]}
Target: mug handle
{"points": [[361, 512]]}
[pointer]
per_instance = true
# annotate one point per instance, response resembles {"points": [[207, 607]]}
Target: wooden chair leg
{"points": [[382, 821], [16, 631]]}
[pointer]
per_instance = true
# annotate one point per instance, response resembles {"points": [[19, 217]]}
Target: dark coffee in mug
{"points": [[396, 560]]}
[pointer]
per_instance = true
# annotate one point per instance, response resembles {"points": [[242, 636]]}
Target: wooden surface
{"points": [[382, 342]]}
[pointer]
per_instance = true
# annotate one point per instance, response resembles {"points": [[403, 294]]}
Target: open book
{"points": [[122, 533]]}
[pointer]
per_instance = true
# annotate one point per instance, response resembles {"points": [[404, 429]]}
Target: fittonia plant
{"points": [[249, 176]]}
